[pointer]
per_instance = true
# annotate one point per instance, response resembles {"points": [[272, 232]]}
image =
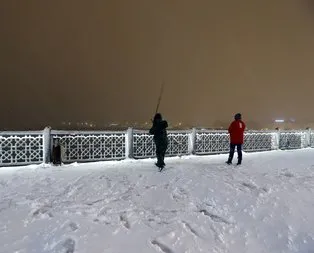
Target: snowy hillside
{"points": [[197, 204]]}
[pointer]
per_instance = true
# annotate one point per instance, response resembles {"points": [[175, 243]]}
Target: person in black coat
{"points": [[160, 138], [56, 153]]}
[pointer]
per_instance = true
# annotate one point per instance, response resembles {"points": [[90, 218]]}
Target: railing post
{"points": [[129, 143], [46, 145], [308, 137], [276, 140], [192, 141]]}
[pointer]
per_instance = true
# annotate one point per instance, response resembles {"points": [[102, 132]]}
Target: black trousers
{"points": [[232, 149], [161, 148]]}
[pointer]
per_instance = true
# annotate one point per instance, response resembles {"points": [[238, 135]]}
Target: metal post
{"points": [[129, 143], [46, 145], [192, 141], [275, 140]]}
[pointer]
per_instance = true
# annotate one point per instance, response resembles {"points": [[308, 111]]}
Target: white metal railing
{"points": [[90, 146], [21, 148], [31, 147]]}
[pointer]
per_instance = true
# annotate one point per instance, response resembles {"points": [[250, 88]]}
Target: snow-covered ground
{"points": [[197, 204]]}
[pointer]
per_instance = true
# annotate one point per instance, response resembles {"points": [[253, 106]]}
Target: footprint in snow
{"points": [[66, 246]]}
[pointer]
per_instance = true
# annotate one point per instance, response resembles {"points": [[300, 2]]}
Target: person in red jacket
{"points": [[236, 131]]}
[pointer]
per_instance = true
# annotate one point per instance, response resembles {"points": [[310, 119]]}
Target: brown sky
{"points": [[70, 60]]}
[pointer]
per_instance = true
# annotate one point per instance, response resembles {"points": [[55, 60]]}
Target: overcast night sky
{"points": [[102, 61]]}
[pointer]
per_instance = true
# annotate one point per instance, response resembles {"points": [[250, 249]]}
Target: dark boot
{"points": [[229, 162], [160, 165]]}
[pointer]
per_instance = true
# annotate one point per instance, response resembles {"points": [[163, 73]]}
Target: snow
{"points": [[197, 204]]}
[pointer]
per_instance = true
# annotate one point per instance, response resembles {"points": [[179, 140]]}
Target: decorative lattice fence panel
{"points": [[90, 146], [144, 147], [292, 140], [20, 148]]}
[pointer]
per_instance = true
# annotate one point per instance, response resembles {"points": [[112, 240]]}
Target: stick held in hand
{"points": [[160, 95]]}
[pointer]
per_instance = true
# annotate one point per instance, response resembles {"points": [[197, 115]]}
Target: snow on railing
{"points": [[31, 147]]}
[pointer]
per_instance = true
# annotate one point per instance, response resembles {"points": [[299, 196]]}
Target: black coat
{"points": [[159, 131], [56, 154]]}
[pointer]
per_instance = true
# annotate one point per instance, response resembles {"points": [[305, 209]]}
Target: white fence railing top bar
{"points": [[14, 133], [66, 132], [31, 147]]}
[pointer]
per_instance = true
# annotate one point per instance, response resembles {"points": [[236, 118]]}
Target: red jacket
{"points": [[236, 131]]}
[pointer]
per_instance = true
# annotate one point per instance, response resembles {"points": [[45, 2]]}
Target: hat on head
{"points": [[157, 116], [237, 116]]}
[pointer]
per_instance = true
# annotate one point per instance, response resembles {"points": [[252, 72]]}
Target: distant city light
{"points": [[279, 120]]}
